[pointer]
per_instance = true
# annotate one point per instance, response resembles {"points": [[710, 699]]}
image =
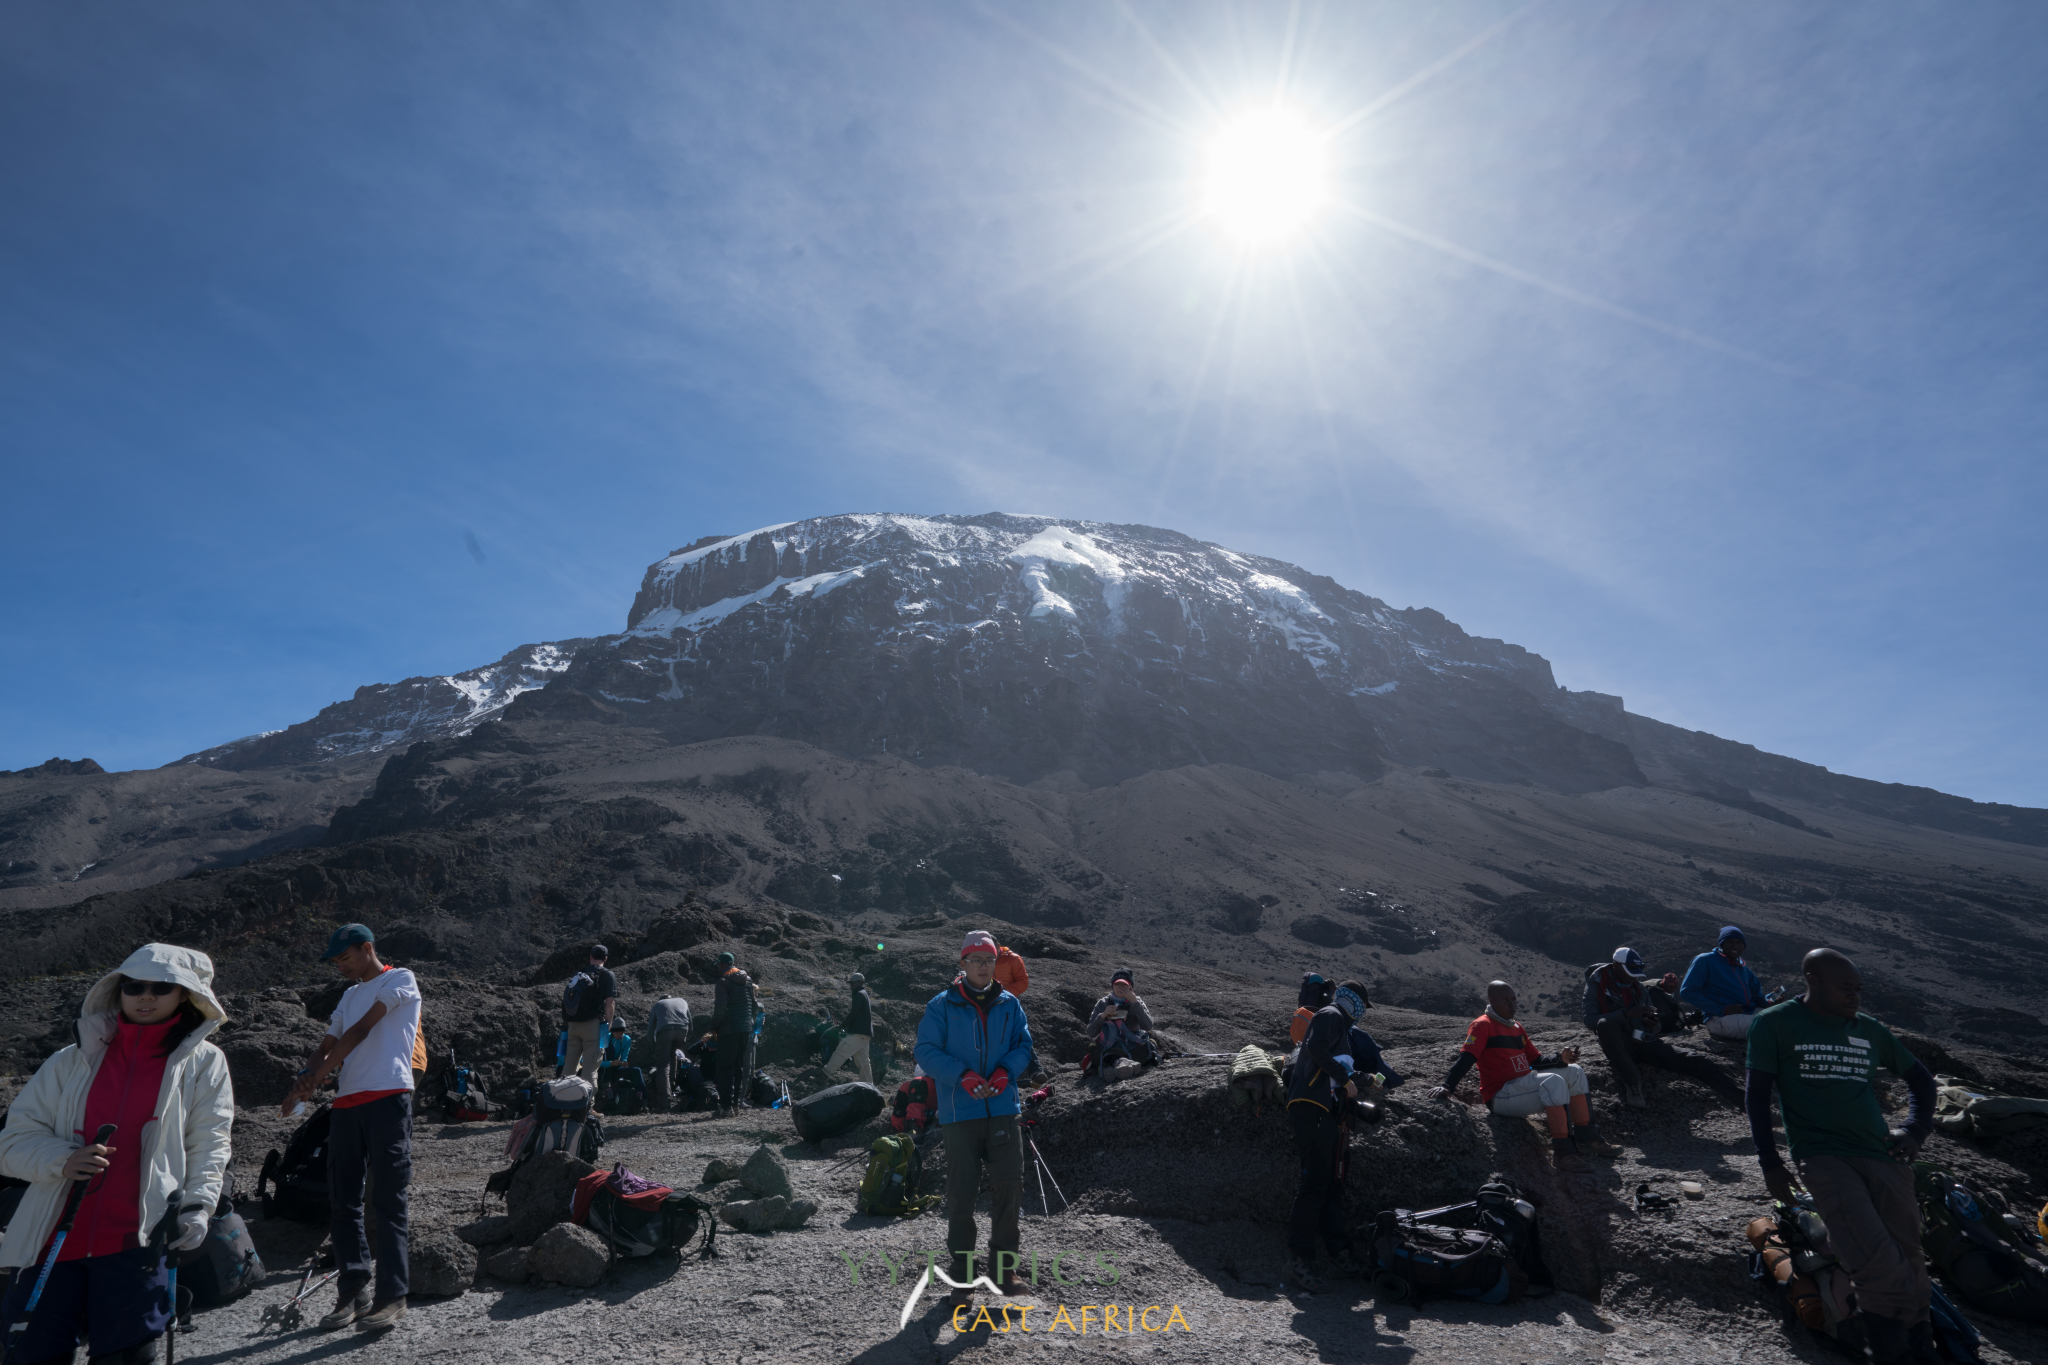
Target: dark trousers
{"points": [[114, 1303], [1318, 1199], [735, 1066], [373, 1140], [1624, 1051], [970, 1144], [1873, 1223], [668, 1040]]}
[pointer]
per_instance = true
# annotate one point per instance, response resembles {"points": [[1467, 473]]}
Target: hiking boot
{"points": [[382, 1317], [1632, 1096], [1591, 1143], [1564, 1155], [1920, 1336], [1297, 1273], [351, 1303], [1889, 1344], [960, 1298], [1013, 1285]]}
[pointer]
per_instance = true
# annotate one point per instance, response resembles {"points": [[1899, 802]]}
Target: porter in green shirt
{"points": [[1824, 1067]]}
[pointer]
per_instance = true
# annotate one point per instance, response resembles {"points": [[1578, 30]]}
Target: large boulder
{"points": [[766, 1173], [442, 1265], [540, 1194], [266, 1040], [567, 1254]]}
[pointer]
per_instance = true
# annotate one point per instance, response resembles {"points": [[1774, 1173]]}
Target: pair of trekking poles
{"points": [[160, 1236], [65, 1220]]}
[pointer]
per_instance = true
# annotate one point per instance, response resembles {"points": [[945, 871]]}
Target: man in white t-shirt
{"points": [[370, 1039]]}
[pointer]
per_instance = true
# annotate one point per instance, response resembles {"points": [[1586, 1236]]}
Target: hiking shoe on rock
{"points": [[1591, 1143], [960, 1298], [1297, 1273], [1564, 1155], [351, 1303], [1632, 1096], [381, 1317], [1013, 1285]]}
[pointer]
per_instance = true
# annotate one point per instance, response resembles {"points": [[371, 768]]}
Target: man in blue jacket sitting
{"points": [[1723, 988], [973, 1043]]}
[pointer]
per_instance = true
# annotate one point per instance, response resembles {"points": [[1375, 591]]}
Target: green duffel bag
{"points": [[1964, 1110]]}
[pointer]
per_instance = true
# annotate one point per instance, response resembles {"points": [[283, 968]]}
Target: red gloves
{"points": [[998, 1082]]}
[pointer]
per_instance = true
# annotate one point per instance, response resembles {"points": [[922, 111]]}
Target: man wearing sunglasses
{"points": [[370, 1040]]}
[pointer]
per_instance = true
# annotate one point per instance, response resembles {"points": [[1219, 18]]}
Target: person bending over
{"points": [[1320, 1079], [1820, 1052], [860, 1033], [1619, 1011], [1516, 1081]]}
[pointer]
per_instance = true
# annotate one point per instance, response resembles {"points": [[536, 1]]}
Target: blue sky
{"points": [[1699, 349]]}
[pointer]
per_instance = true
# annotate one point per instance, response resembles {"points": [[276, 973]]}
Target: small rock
{"points": [[509, 1265], [567, 1254], [442, 1265], [766, 1173], [721, 1170], [799, 1213], [486, 1231], [757, 1215]]}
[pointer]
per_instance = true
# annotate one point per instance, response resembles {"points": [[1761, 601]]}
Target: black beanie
{"points": [[1122, 974]]}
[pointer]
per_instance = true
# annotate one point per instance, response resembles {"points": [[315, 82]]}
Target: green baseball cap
{"points": [[345, 938]]}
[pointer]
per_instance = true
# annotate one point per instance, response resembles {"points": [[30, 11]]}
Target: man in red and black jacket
{"points": [[1517, 1081], [1619, 1011]]}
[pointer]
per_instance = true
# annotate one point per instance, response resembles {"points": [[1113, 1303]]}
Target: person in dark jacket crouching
{"points": [[973, 1042], [1320, 1080]]}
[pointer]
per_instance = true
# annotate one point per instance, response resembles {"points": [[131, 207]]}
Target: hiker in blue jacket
{"points": [[1723, 988], [974, 1043]]}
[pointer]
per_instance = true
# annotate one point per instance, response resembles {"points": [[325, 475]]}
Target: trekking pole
{"points": [[64, 1222], [1046, 1171]]}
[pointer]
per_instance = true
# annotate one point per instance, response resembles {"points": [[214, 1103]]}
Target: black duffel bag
{"points": [[835, 1110]]}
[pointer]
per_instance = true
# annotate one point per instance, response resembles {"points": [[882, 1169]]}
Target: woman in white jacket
{"points": [[141, 1063]]}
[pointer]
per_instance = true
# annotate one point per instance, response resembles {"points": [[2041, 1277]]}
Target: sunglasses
{"points": [[148, 987]]}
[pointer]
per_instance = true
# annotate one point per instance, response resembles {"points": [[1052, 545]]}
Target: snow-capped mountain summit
{"points": [[1039, 648]]}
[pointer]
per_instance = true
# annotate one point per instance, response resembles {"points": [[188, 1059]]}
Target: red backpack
{"points": [[916, 1105]]}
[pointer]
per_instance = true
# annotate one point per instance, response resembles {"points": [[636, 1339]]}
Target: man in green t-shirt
{"points": [[1821, 1052]]}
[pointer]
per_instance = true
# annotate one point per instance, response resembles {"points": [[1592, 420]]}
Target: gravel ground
{"points": [[1670, 1285]]}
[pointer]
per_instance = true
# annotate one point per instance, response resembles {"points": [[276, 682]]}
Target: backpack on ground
{"points": [[687, 1086], [889, 1185], [829, 1036], [1254, 1077], [764, 1091], [562, 1121], [1963, 1110], [1414, 1260], [625, 1090], [836, 1109], [916, 1106], [1983, 1258], [226, 1265], [637, 1217], [462, 1095], [293, 1184], [524, 1100], [1502, 1210], [1793, 1265]]}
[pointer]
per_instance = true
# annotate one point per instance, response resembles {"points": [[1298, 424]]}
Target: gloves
{"points": [[998, 1080], [191, 1230], [972, 1081]]}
